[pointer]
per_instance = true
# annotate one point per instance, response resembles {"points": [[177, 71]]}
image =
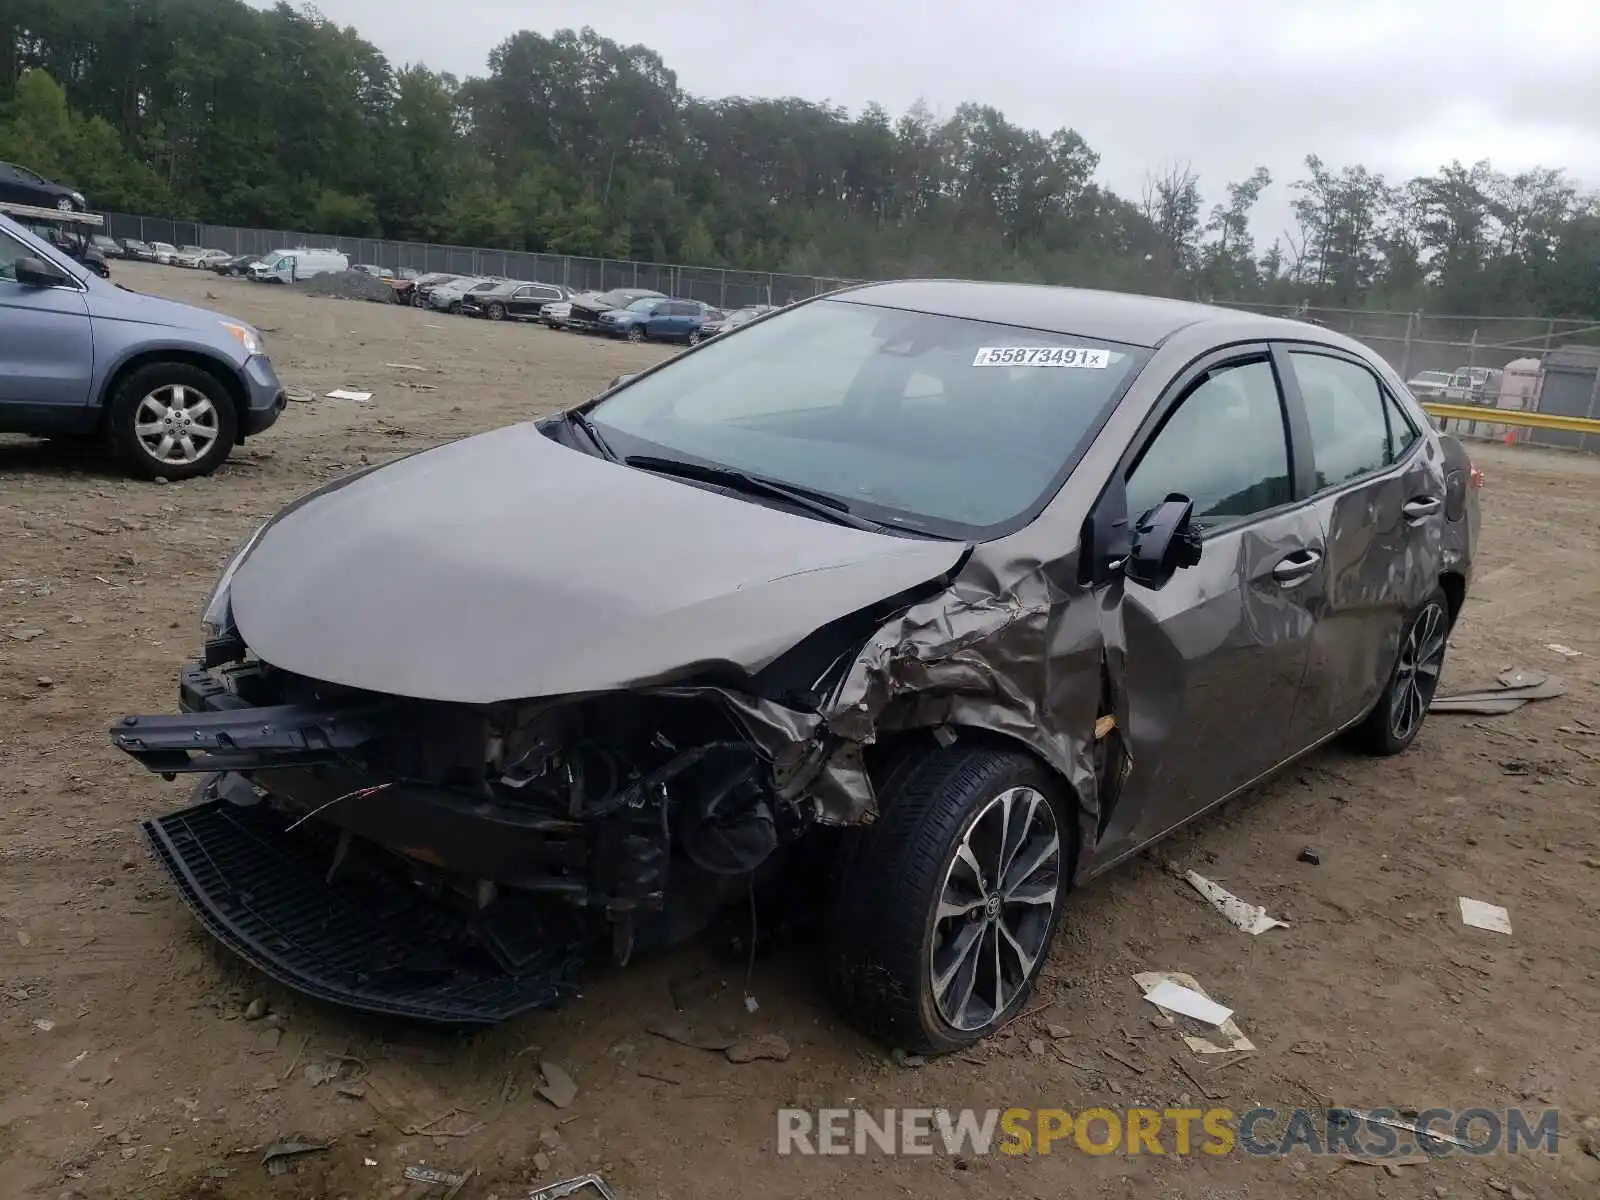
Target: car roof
{"points": [[1084, 312]]}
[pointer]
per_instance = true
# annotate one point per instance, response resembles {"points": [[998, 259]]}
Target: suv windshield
{"points": [[940, 424], [648, 304]]}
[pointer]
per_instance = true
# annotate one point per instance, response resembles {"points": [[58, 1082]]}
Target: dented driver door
{"points": [[1209, 666]]}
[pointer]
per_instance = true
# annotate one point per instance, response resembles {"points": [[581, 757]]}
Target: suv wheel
{"points": [[1397, 718], [694, 337], [636, 333], [946, 909], [497, 312], [173, 420]]}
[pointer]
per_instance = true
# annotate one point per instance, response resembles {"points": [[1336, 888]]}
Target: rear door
{"points": [[46, 349], [1213, 661], [1379, 485]]}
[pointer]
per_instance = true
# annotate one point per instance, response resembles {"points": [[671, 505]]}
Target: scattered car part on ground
{"points": [[976, 589], [172, 388]]}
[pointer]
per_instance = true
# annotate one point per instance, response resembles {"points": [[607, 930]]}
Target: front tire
{"points": [[172, 420], [497, 312], [65, 204], [946, 910], [1395, 721], [635, 334]]}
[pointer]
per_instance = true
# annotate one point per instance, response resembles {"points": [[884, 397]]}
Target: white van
{"points": [[291, 266]]}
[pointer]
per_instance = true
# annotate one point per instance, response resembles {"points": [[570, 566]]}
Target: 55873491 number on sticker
{"points": [[1041, 356]]}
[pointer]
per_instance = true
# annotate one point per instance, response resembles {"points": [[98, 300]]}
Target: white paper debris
{"points": [[1251, 918], [1395, 1123], [343, 394], [1230, 1039], [1481, 915], [1564, 651], [1176, 998]]}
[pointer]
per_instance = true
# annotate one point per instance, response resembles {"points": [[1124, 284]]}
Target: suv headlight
{"points": [[245, 336], [217, 618]]}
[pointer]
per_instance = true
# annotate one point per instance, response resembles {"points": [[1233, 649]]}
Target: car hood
{"points": [[114, 303], [507, 566]]}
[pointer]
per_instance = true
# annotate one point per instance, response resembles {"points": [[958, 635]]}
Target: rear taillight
{"points": [[1477, 478]]}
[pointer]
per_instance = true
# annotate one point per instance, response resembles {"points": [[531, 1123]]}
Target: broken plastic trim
{"points": [[248, 739]]}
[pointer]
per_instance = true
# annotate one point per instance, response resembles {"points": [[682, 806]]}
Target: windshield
{"points": [[945, 425], [648, 304]]}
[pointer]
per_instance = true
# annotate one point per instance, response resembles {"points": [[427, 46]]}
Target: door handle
{"points": [[1297, 567], [1421, 507]]}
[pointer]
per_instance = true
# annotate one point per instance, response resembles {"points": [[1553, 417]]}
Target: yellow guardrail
{"points": [[1511, 416]]}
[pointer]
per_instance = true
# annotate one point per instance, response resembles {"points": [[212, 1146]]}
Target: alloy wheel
{"points": [[1417, 676], [995, 911], [64, 203], [635, 334], [176, 424]]}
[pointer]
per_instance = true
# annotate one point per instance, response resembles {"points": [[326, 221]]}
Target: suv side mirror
{"points": [[1165, 541], [35, 272]]}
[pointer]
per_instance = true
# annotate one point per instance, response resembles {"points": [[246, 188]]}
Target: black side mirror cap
{"points": [[1166, 540], [35, 272]]}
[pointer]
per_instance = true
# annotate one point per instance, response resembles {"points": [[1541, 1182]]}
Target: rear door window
{"points": [[1356, 428]]}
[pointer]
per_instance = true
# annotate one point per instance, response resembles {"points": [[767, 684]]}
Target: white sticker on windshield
{"points": [[1041, 356]]}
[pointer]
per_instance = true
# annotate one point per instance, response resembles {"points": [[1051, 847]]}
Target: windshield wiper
{"points": [[582, 421], [818, 504]]}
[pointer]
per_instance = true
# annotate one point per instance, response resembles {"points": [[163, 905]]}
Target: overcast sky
{"points": [[1402, 86]]}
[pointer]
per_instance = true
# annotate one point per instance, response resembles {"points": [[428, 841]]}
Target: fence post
{"points": [[1594, 398], [1550, 337], [1472, 350], [1405, 352]]}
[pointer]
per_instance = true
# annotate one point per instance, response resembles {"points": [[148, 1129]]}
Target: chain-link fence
{"points": [[1412, 342], [1416, 342], [712, 285]]}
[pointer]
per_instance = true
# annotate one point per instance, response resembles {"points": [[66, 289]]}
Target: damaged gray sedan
{"points": [[981, 588]]}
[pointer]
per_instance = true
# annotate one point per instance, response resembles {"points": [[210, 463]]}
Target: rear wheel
{"points": [[946, 910], [173, 420], [694, 337], [1397, 718]]}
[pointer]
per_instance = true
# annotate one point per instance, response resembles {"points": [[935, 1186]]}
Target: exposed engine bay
{"points": [[623, 817]]}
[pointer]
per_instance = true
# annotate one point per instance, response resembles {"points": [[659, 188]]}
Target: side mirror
{"points": [[1165, 541], [35, 272]]}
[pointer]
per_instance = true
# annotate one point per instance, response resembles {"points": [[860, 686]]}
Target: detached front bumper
{"points": [[300, 900], [274, 900]]}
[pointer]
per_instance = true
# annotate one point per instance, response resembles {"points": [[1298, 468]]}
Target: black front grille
{"points": [[364, 941]]}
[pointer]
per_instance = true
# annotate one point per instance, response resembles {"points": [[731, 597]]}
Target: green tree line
{"points": [[572, 143]]}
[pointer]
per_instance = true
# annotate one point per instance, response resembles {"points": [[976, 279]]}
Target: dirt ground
{"points": [[128, 1067]]}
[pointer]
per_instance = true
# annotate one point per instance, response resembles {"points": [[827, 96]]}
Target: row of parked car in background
{"points": [[634, 314]]}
